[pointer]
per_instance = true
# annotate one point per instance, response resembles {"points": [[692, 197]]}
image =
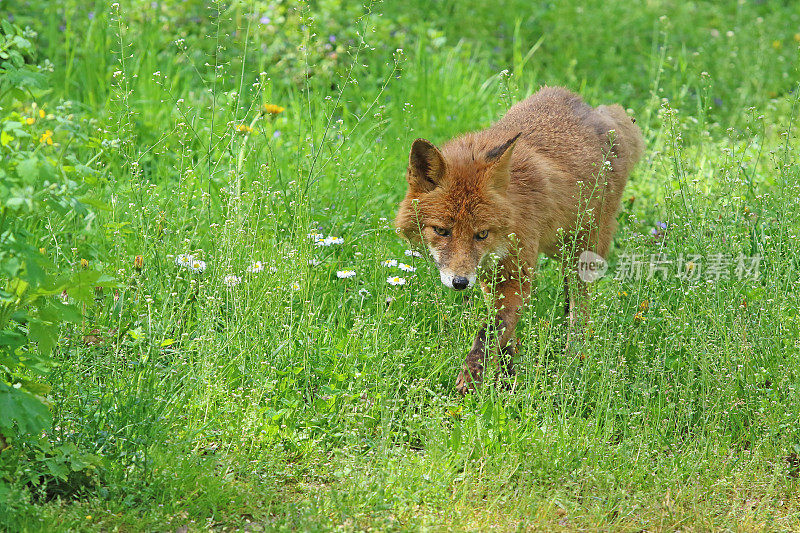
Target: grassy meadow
{"points": [[185, 187]]}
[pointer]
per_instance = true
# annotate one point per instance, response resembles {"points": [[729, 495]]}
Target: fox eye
{"points": [[482, 234], [441, 231]]}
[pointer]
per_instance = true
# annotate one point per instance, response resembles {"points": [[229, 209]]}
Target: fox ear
{"points": [[425, 166], [499, 159]]}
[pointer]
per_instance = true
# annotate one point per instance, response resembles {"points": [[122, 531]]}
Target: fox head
{"points": [[457, 205]]}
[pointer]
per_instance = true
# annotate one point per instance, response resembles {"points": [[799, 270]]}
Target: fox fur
{"points": [[546, 178]]}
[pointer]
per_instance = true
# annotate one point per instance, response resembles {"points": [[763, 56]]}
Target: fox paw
{"points": [[471, 375]]}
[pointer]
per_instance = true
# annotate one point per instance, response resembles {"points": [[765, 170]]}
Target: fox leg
{"points": [[510, 291], [576, 310], [576, 294]]}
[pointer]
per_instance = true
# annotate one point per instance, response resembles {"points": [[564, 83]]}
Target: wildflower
{"points": [[243, 128], [47, 137], [184, 260], [662, 225], [777, 44], [364, 293], [231, 280], [264, 20], [413, 253], [272, 109], [395, 280], [295, 286], [389, 263], [344, 274], [84, 263], [406, 268], [638, 317], [313, 262], [41, 113], [197, 266], [327, 241], [797, 37], [644, 306], [29, 121], [256, 267], [138, 262]]}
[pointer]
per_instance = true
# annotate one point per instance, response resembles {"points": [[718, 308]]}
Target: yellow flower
{"points": [[272, 109], [84, 263], [243, 128], [644, 306], [47, 137], [29, 121], [41, 113], [797, 37], [138, 262], [776, 44]]}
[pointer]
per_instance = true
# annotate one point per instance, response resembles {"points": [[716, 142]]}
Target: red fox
{"points": [[546, 178]]}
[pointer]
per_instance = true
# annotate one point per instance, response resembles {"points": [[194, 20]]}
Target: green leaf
{"points": [[97, 204], [44, 334], [56, 311], [28, 170], [487, 413], [20, 407]]}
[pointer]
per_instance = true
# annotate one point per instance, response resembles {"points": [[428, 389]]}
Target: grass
{"points": [[298, 400]]}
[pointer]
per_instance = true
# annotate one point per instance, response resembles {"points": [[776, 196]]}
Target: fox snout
{"points": [[454, 281]]}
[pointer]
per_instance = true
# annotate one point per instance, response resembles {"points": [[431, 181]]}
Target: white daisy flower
{"points": [[256, 267], [344, 274], [295, 286], [231, 280], [320, 240], [413, 253], [406, 268], [395, 280], [313, 262], [184, 260], [197, 266], [390, 263]]}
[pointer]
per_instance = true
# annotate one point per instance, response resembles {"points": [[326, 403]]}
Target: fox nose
{"points": [[460, 283]]}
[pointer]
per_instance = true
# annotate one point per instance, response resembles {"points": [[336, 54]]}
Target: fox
{"points": [[548, 177]]}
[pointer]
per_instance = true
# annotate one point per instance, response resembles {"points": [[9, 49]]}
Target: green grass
{"points": [[322, 406]]}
